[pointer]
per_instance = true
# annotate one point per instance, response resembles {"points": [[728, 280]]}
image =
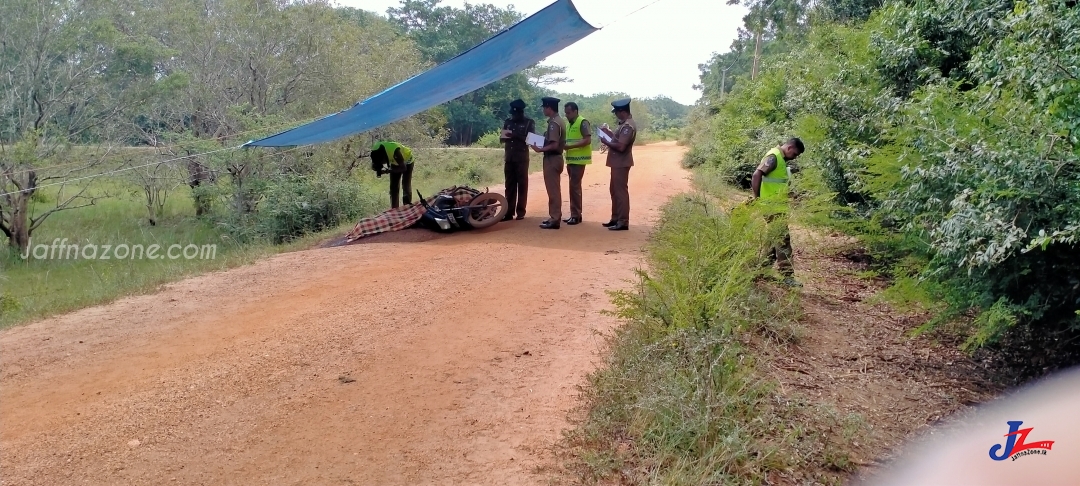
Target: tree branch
{"points": [[1064, 70], [64, 206]]}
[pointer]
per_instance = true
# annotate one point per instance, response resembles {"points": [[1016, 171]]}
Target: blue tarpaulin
{"points": [[522, 45]]}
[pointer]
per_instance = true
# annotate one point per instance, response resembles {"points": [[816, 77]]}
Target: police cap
{"points": [[549, 101], [620, 105], [517, 105]]}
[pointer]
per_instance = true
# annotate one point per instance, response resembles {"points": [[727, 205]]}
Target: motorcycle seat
{"points": [[444, 202]]}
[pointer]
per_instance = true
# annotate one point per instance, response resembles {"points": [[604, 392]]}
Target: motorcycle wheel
{"points": [[486, 209]]}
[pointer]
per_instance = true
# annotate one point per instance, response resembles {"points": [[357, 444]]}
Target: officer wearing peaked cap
{"points": [[620, 157], [554, 142], [516, 159]]}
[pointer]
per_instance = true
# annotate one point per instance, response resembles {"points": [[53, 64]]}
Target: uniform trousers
{"points": [[620, 195], [401, 182], [516, 170], [553, 168], [576, 173]]}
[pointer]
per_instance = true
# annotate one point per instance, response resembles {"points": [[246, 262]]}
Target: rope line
{"points": [[654, 2], [177, 145], [123, 170]]}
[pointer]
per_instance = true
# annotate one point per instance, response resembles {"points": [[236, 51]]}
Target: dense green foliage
{"points": [[946, 135]]}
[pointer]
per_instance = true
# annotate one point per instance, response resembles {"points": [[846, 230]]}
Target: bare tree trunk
{"points": [[723, 84], [152, 199], [757, 53], [198, 174], [16, 221], [20, 222]]}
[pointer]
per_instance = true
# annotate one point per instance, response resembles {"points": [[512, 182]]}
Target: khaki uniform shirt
{"points": [[627, 131], [556, 130]]}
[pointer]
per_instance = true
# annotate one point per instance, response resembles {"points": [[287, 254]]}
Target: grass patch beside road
{"points": [[684, 396]]}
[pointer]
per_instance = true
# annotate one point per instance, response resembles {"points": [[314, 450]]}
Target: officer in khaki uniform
{"points": [[554, 142], [578, 155], [620, 157]]}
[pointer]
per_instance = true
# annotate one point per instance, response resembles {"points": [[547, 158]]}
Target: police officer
{"points": [[516, 159], [554, 141], [389, 157], [770, 185], [620, 157], [578, 155]]}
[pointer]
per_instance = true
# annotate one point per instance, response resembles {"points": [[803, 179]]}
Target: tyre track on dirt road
{"points": [[407, 358]]}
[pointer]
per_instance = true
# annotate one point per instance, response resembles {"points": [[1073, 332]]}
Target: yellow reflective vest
{"points": [[406, 153], [774, 185], [580, 155]]}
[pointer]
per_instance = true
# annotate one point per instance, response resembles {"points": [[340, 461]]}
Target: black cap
{"points": [[549, 101], [623, 105], [517, 105]]}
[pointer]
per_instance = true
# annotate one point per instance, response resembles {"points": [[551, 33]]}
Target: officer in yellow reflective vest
{"points": [[770, 185], [578, 155], [388, 157]]}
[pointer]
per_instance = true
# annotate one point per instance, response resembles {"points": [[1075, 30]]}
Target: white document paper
{"points": [[603, 136], [534, 140]]}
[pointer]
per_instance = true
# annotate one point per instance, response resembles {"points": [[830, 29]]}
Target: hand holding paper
{"points": [[603, 136], [534, 140]]}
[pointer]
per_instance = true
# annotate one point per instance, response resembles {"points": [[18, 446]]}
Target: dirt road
{"points": [[406, 359]]}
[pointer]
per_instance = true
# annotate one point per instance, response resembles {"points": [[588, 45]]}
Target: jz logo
{"points": [[1016, 446]]}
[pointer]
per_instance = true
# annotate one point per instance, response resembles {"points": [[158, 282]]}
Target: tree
{"points": [[155, 181], [719, 74], [442, 32], [543, 76], [69, 71], [775, 18], [21, 164]]}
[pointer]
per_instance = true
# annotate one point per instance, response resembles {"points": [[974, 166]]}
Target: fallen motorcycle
{"points": [[446, 213]]}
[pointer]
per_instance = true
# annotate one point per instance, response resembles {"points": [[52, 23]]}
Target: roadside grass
{"points": [[684, 396], [36, 288]]}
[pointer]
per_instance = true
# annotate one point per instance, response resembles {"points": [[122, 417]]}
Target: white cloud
{"points": [[668, 40]]}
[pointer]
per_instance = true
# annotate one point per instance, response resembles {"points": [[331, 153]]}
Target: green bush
{"points": [[8, 304], [746, 125], [295, 206], [469, 169], [489, 140]]}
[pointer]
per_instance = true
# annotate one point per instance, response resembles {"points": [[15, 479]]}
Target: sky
{"points": [[671, 38]]}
